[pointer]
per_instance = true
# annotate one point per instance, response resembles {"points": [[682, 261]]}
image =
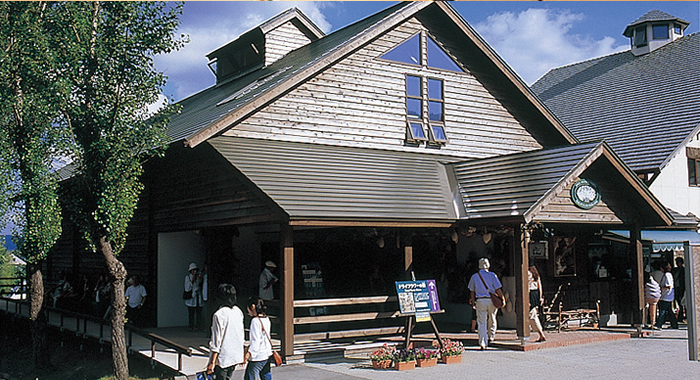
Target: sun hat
{"points": [[193, 266], [484, 263], [270, 263]]}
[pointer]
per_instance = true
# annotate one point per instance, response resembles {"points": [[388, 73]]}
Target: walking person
{"points": [[259, 353], [481, 284], [536, 299], [193, 284], [652, 294], [227, 335], [679, 287], [666, 300]]}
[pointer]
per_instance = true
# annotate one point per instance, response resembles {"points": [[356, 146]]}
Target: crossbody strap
{"points": [[484, 282], [265, 332]]}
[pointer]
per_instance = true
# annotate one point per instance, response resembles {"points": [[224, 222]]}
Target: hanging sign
{"points": [[585, 194], [418, 297]]}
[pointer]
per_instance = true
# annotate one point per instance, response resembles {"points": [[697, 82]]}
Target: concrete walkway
{"points": [[662, 355]]}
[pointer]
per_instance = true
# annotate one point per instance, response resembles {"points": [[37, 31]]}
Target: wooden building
{"points": [[399, 143]]}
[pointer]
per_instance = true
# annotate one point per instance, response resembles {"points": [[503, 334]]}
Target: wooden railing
{"points": [[81, 328]]}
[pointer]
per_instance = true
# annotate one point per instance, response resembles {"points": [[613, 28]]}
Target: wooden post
{"points": [[637, 274], [407, 256], [287, 291], [522, 292]]}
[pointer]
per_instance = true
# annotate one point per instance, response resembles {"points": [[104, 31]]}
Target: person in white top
{"points": [[267, 279], [135, 295], [534, 282], [227, 335], [259, 353], [667, 297], [193, 284], [481, 284]]}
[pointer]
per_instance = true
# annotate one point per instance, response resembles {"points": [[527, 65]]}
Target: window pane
{"points": [[691, 172], [435, 110], [414, 107], [439, 133], [660, 31], [417, 131], [640, 36], [435, 89], [413, 86], [697, 170], [677, 28], [407, 52], [438, 59]]}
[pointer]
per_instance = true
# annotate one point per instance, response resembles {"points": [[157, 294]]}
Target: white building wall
{"points": [[671, 187]]}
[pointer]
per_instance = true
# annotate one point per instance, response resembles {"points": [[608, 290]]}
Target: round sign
{"points": [[585, 194]]}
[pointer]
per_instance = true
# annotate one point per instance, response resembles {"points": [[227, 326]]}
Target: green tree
{"points": [[113, 82], [30, 93]]}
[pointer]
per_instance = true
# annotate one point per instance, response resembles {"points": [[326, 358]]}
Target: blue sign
{"points": [[418, 297]]}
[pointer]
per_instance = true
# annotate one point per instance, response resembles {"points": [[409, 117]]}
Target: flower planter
{"points": [[381, 364], [426, 362], [403, 366], [451, 359]]}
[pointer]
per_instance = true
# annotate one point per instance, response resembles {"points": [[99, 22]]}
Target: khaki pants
{"points": [[486, 318]]}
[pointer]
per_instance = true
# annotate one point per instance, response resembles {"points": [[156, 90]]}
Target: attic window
{"points": [[431, 55], [677, 28], [640, 36], [438, 58], [660, 32], [421, 91], [406, 52]]}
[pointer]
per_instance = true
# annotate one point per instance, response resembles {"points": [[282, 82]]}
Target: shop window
{"points": [[640, 36], [660, 32]]}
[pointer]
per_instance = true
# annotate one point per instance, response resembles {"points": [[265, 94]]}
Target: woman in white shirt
{"points": [[227, 335], [536, 299], [260, 350]]}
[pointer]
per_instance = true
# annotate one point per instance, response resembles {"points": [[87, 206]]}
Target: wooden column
{"points": [[522, 294], [637, 274], [287, 291], [407, 256]]}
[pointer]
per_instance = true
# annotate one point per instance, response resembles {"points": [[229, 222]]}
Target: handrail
{"points": [[343, 301], [80, 317]]}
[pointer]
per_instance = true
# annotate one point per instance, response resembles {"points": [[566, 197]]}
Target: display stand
{"points": [[411, 323]]}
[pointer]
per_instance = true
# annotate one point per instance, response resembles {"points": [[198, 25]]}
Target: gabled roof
{"points": [[645, 107], [313, 182], [218, 108], [519, 186], [654, 16]]}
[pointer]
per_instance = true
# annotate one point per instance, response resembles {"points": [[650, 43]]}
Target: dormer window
{"points": [[677, 28], [640, 36], [660, 32]]}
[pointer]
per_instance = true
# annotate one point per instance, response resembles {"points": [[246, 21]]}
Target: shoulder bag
{"points": [[275, 354], [497, 300]]}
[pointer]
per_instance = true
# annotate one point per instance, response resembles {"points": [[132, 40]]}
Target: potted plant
{"points": [[404, 359], [382, 357], [451, 351], [426, 357]]}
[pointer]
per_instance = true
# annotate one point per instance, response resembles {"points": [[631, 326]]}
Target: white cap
{"points": [[484, 263], [270, 263], [193, 266]]}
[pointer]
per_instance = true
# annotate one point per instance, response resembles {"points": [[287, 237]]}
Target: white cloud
{"points": [[536, 40]]}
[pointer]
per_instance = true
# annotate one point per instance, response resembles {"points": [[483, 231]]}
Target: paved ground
{"points": [[663, 355]]}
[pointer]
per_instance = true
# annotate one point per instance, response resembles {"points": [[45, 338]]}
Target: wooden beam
{"points": [[637, 274], [522, 292], [346, 317], [287, 290], [366, 223], [344, 301]]}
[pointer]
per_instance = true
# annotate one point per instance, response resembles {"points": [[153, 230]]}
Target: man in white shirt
{"points": [[227, 335], [667, 296], [481, 285], [267, 279], [136, 296]]}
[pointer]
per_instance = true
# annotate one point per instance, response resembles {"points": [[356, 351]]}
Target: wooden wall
{"points": [[360, 101], [282, 40]]}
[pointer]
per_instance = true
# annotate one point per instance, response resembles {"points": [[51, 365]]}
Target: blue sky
{"points": [[531, 36]]}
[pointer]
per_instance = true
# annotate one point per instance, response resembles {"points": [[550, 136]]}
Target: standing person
{"points": [[267, 279], [227, 335], [480, 284], [259, 353], [536, 299], [679, 286], [103, 298], [652, 293], [136, 296], [666, 300], [193, 284]]}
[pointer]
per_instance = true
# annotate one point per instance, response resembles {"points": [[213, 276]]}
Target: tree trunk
{"points": [[117, 274], [38, 323]]}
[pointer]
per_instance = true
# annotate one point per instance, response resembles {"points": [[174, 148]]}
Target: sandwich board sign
{"points": [[418, 298]]}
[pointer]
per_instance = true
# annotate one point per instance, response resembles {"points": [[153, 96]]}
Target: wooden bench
{"points": [[555, 316]]}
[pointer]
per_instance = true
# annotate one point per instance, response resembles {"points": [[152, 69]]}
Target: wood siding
{"points": [[282, 40], [360, 101], [562, 209]]}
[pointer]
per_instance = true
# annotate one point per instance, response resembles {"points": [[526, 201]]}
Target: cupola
{"points": [[263, 45], [654, 30]]}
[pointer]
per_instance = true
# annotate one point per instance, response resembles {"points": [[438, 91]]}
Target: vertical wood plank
{"points": [[522, 303], [637, 274], [287, 290]]}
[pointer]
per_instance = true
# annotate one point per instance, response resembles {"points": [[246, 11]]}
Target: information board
{"points": [[418, 297]]}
